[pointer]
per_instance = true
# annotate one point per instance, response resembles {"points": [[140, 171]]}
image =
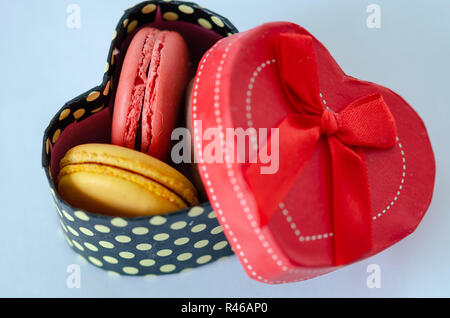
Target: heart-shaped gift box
{"points": [[330, 169], [145, 245]]}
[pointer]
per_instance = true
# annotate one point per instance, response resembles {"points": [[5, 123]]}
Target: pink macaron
{"points": [[151, 87]]}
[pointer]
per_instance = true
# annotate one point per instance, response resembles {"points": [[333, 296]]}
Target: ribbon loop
{"points": [[298, 70], [366, 122]]}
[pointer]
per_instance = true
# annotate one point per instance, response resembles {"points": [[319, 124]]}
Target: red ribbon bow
{"points": [[366, 122]]}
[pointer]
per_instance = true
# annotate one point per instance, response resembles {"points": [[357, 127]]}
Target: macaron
{"points": [[117, 181], [150, 90]]}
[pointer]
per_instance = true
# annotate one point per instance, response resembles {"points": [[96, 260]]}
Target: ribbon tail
{"points": [[296, 143], [351, 203]]}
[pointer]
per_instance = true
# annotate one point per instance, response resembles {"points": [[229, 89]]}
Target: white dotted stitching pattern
{"points": [[216, 205], [400, 187], [236, 188], [249, 116], [310, 238], [248, 101], [233, 180], [288, 218]]}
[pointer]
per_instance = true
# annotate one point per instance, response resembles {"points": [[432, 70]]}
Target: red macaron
{"points": [[151, 86]]}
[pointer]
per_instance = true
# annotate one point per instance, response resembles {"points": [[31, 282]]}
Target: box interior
{"points": [[97, 127]]}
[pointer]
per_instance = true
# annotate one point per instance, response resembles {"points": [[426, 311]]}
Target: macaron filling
{"points": [[150, 93], [133, 131], [135, 162], [140, 180], [152, 82]]}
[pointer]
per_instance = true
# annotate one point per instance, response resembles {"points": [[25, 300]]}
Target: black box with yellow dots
{"points": [[152, 245]]}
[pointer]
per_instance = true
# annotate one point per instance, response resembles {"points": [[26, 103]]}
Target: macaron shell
{"points": [[152, 97], [106, 190], [162, 105], [128, 102], [133, 161]]}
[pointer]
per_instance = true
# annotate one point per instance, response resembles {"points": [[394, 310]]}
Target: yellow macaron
{"points": [[118, 181]]}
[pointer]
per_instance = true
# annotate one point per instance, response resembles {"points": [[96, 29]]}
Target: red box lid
{"points": [[350, 169]]}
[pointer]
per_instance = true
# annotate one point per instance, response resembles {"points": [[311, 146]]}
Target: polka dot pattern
{"points": [[108, 85], [123, 239], [130, 270], [204, 259], [161, 237], [201, 244], [185, 9], [106, 244], [77, 245], [143, 247], [164, 252], [220, 245], [205, 23], [79, 113], [86, 231], [217, 21], [97, 109], [132, 26], [119, 222], [171, 244], [63, 115], [56, 135], [184, 257], [170, 16], [47, 146], [158, 220], [91, 247], [196, 211], [140, 230], [68, 216], [95, 261], [167, 268], [147, 262], [93, 96], [181, 241], [127, 255], [178, 225], [71, 230], [102, 228], [146, 246], [110, 259], [81, 215], [198, 228], [149, 8]]}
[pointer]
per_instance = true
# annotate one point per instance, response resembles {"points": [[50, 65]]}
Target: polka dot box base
{"points": [[147, 245]]}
